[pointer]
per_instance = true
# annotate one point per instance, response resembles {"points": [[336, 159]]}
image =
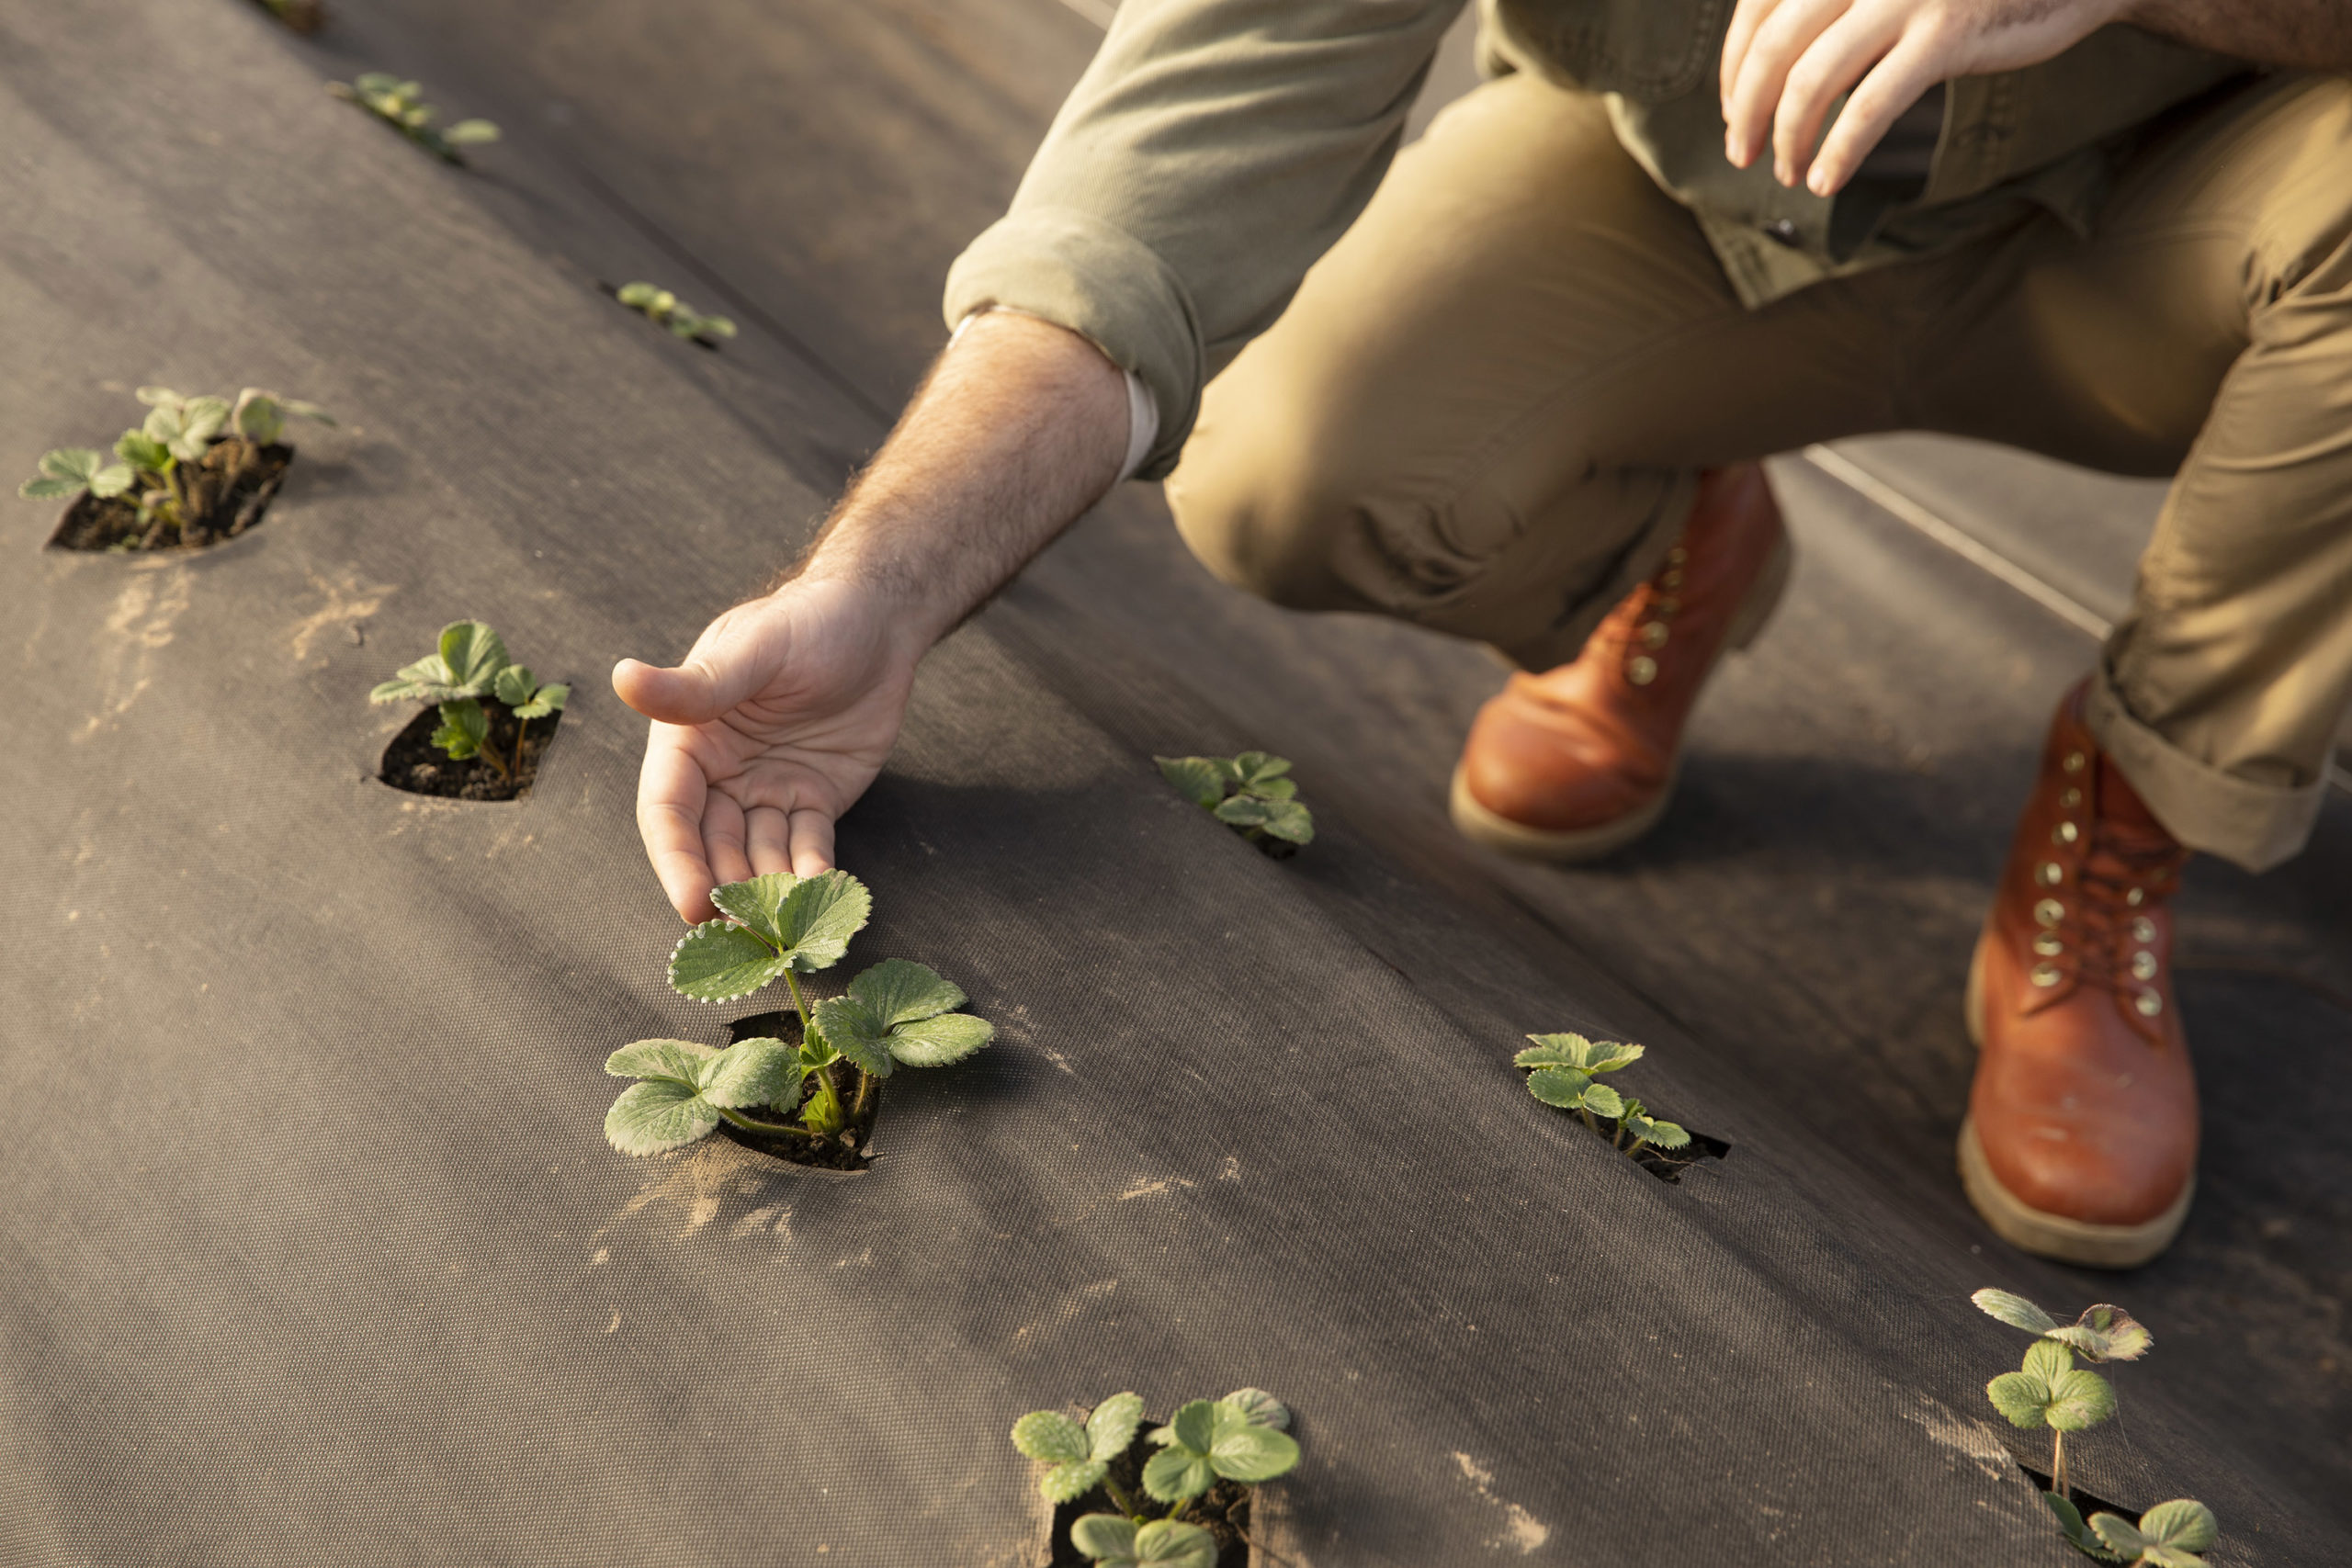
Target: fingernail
{"points": [[1734, 151], [1818, 182]]}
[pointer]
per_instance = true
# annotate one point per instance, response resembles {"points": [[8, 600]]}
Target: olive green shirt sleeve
{"points": [[1213, 151]]}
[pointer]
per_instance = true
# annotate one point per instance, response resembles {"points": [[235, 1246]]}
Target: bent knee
{"points": [[1262, 504]]}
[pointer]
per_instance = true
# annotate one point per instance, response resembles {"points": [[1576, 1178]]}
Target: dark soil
{"points": [[1223, 1510], [414, 763], [849, 1151], [224, 505], [1667, 1165]]}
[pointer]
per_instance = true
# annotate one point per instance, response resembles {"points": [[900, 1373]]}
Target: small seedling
{"points": [[665, 309], [2170, 1535], [895, 1014], [2050, 1390], [1564, 1070], [402, 106], [182, 465], [1252, 794], [1241, 1438], [471, 664]]}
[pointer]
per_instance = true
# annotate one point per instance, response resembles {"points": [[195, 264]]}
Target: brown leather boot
{"points": [[2081, 1136], [1580, 760]]}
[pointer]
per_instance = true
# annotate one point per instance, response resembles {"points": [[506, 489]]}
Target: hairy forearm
{"points": [[1019, 429], [2313, 34]]}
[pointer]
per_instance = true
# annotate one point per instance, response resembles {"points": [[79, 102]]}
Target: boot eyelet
{"points": [[2064, 833], [2143, 965], [2136, 897], [2044, 976], [1666, 604], [2075, 762], [2069, 799], [2149, 1003], [1677, 554], [2049, 874], [1672, 580], [2049, 945], [2143, 930], [1654, 633], [2048, 911], [1641, 670]]}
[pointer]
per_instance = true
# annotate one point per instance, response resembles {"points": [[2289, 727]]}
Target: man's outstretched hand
{"points": [[772, 725], [787, 705]]}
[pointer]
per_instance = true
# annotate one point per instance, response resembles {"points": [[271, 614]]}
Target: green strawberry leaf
{"points": [[473, 654], [751, 1072], [658, 1115], [513, 686], [1289, 821], [679, 1061], [2014, 1310], [142, 451], [719, 961], [807, 919], [2182, 1522], [68, 471], [467, 132], [1563, 1086], [1112, 1426], [853, 1031], [1595, 1056], [1259, 1406], [2078, 1534], [1052, 1436], [1172, 1543], [1243, 810], [2104, 1333], [1245, 1451], [1199, 779], [1106, 1538], [549, 699], [896, 991], [1176, 1473], [464, 728], [1254, 770], [937, 1041], [2080, 1399]]}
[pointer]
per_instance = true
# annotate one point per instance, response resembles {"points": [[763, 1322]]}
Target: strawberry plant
{"points": [[1209, 1455], [1252, 794], [895, 1014], [402, 106], [468, 666], [1564, 1071], [2050, 1390], [666, 309], [196, 470]]}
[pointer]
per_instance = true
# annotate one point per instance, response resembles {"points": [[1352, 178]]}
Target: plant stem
{"points": [[797, 1005], [749, 1125], [1119, 1494], [1635, 1152], [2058, 1463], [520, 724], [1586, 1111], [865, 1092]]}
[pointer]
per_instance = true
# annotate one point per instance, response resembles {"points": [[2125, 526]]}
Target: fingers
{"points": [[723, 837], [1892, 85], [767, 835], [1829, 68], [670, 792], [812, 842], [1750, 15], [1779, 39]]}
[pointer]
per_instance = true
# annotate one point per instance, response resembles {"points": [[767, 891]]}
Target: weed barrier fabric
{"points": [[316, 1253]]}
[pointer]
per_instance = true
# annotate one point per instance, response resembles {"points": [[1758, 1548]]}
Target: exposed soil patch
{"points": [[848, 1152], [414, 763], [1223, 1510], [222, 502]]}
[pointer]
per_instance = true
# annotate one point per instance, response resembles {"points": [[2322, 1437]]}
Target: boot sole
{"points": [[1481, 825], [2037, 1231]]}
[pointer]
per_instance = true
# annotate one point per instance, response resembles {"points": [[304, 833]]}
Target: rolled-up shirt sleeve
{"points": [[1210, 153]]}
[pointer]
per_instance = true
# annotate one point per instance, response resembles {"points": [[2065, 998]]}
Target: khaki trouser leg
{"points": [[1484, 410], [2206, 325]]}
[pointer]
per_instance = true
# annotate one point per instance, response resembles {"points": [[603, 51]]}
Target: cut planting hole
{"points": [[228, 490], [414, 763], [1667, 1165], [1223, 1510], [847, 1150], [2085, 1503]]}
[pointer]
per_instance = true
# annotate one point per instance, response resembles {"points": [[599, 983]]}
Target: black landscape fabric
{"points": [[314, 1251]]}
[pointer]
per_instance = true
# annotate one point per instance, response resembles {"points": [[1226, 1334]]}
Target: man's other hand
{"points": [[774, 724], [1787, 61]]}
